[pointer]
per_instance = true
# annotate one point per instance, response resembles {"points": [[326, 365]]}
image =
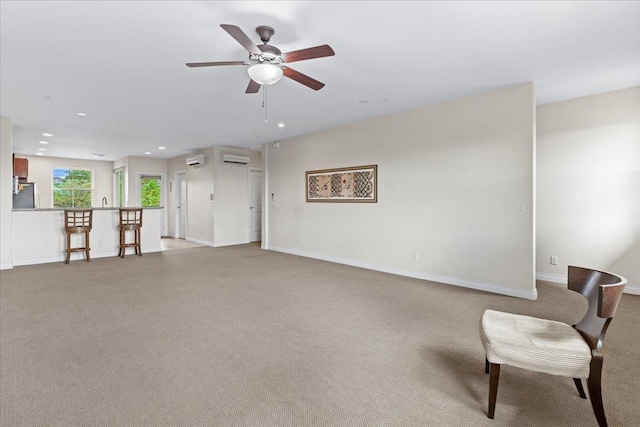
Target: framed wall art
{"points": [[356, 184]]}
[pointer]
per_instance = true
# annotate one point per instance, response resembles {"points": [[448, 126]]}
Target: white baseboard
{"points": [[77, 256], [488, 287], [239, 242], [557, 278], [6, 266], [216, 244], [198, 241]]}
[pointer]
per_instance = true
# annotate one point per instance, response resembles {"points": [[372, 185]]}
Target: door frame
{"points": [[250, 231], [125, 189], [176, 200], [138, 201]]}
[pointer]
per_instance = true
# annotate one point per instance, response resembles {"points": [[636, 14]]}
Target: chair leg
{"points": [[486, 365], [138, 244], [87, 246], [595, 390], [578, 383], [66, 261], [121, 253], [493, 388]]}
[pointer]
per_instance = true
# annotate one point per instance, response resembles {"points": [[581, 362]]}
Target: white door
{"points": [[255, 205], [182, 205]]}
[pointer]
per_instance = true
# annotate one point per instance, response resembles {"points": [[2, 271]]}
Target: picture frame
{"points": [[356, 184]]}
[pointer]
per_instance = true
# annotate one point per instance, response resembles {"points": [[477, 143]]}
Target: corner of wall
{"points": [[6, 195]]}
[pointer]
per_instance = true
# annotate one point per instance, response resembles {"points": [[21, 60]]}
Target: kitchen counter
{"points": [[39, 236], [62, 209]]}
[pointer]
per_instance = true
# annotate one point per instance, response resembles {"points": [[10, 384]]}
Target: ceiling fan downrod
{"points": [[264, 102]]}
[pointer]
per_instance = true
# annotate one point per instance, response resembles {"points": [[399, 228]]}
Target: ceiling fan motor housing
{"points": [[265, 33]]}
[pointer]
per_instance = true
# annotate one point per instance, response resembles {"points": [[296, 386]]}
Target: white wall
{"points": [[231, 206], [6, 195], [225, 220], [589, 185], [199, 191], [451, 178], [41, 169]]}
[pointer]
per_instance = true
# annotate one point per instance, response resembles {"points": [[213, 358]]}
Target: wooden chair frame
{"points": [[78, 221], [603, 291], [130, 219]]}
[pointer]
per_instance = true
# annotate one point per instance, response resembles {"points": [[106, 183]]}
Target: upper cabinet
{"points": [[21, 168]]}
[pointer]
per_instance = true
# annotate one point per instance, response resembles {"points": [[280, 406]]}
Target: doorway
{"points": [[151, 193], [119, 187], [181, 205], [255, 205]]}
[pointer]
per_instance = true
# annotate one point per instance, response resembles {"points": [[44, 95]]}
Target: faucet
{"points": [[104, 201]]}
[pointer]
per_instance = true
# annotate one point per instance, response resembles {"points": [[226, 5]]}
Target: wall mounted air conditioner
{"points": [[235, 158], [198, 159]]}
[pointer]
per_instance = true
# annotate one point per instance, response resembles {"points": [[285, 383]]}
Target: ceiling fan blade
{"points": [[302, 78], [214, 64], [309, 53], [241, 38], [253, 87]]}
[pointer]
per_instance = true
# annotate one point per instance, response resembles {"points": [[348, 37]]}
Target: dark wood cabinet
{"points": [[21, 168]]}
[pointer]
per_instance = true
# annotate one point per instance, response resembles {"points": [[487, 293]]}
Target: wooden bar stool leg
{"points": [[121, 254], [138, 243], [66, 261], [87, 248]]}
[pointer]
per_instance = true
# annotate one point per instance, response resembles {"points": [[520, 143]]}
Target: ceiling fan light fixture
{"points": [[265, 74]]}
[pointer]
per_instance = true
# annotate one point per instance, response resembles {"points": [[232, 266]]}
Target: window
{"points": [[120, 186], [72, 187], [150, 191]]}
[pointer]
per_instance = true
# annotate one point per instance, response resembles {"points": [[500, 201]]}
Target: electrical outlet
{"points": [[414, 256], [522, 208], [553, 260]]}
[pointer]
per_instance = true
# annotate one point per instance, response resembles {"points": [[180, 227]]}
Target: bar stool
{"points": [[78, 221], [130, 219]]}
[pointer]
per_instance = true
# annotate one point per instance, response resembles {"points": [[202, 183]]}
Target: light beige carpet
{"points": [[238, 336]]}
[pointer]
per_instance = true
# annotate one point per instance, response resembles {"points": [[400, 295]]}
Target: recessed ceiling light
{"points": [[280, 125], [42, 149], [147, 152], [40, 154], [44, 142], [97, 155], [161, 148], [82, 114], [47, 134]]}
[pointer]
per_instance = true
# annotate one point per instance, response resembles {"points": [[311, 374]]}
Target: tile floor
{"points": [[169, 243]]}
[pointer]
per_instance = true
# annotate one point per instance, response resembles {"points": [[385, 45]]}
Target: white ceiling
{"points": [[123, 64]]}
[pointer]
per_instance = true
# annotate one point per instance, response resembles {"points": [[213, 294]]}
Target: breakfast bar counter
{"points": [[39, 236]]}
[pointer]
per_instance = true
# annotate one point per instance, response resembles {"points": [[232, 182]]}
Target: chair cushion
{"points": [[538, 345]]}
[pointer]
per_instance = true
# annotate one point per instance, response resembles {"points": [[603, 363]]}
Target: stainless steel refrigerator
{"points": [[26, 196]]}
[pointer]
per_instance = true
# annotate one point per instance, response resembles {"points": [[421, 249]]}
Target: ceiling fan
{"points": [[267, 64]]}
